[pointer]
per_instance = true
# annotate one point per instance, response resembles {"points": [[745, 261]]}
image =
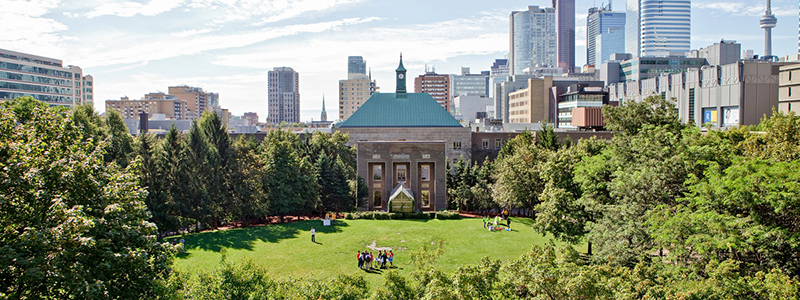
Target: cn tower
{"points": [[768, 22]]}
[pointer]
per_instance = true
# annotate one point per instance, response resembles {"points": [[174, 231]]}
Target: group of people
{"points": [[487, 222], [366, 259]]}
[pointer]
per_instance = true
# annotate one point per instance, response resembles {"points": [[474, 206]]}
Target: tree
{"points": [[71, 225], [334, 189], [120, 148], [290, 181], [518, 182], [546, 138]]}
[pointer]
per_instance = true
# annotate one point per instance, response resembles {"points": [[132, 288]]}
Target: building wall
{"points": [[600, 22], [283, 95], [789, 89], [735, 94], [171, 107], [565, 34], [437, 85], [531, 104], [413, 156], [353, 92], [457, 139], [43, 78], [466, 106]]}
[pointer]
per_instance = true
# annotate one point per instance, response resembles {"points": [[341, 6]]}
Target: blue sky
{"points": [[227, 46]]}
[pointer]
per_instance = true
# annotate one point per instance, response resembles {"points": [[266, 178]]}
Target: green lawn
{"points": [[287, 250]]}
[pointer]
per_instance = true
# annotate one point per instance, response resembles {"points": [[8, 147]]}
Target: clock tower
{"points": [[401, 77]]}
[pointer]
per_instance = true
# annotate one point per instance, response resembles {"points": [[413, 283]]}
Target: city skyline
{"points": [[133, 48]]}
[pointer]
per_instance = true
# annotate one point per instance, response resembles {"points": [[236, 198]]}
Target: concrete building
{"points": [[789, 89], [658, 27], [416, 168], [573, 103], [605, 34], [466, 107], [470, 84], [735, 94], [722, 53], [437, 85], [353, 92], [531, 104], [497, 74], [533, 39], [641, 68], [283, 88], [197, 100], [356, 65], [565, 34], [158, 106], [43, 78]]}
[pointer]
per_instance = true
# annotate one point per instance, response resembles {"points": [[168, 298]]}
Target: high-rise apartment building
{"points": [[532, 39], [658, 27], [43, 78], [197, 100], [565, 34], [604, 34], [436, 85], [283, 92], [356, 65]]}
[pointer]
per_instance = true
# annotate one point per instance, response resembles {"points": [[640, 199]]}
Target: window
{"points": [[376, 173], [425, 173], [456, 145], [498, 143], [401, 173], [377, 199], [425, 198], [485, 143]]}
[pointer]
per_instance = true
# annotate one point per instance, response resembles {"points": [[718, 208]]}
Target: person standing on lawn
{"points": [[312, 234], [391, 258]]}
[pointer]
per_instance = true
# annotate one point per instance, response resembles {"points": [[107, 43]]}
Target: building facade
{"points": [[789, 90], [576, 99], [605, 34], [436, 85], [44, 79], [356, 65], [470, 84], [531, 104], [565, 34], [353, 92], [283, 94], [467, 107], [197, 100], [658, 27], [740, 93], [158, 106], [533, 39]]}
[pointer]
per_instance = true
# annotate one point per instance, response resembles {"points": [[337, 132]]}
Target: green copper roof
{"points": [[401, 110], [400, 68]]}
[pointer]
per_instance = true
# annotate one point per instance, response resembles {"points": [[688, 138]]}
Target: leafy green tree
{"points": [[518, 182], [85, 116], [71, 225], [248, 197], [290, 181], [546, 138]]}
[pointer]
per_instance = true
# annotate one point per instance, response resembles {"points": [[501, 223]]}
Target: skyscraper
{"points": [[658, 27], [356, 65], [532, 39], [283, 95], [565, 34], [607, 27]]}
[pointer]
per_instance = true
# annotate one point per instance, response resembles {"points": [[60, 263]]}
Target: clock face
{"points": [[400, 76]]}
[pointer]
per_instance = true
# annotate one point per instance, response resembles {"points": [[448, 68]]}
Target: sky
{"points": [[227, 46]]}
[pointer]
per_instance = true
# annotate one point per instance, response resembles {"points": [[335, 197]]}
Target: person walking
{"points": [[312, 234], [485, 221], [508, 222], [391, 258], [384, 257], [360, 260]]}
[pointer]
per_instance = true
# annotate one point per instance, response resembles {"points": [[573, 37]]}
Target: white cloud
{"points": [[155, 49], [191, 32], [264, 12], [744, 9], [130, 9], [25, 27]]}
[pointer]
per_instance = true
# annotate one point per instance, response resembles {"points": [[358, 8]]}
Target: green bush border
{"points": [[382, 215]]}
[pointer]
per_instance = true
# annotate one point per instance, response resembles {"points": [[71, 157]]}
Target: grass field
{"points": [[286, 250]]}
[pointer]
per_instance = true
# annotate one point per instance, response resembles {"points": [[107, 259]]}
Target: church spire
{"points": [[324, 115]]}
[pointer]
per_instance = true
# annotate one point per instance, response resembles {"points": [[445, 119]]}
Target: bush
{"points": [[447, 215], [382, 215]]}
